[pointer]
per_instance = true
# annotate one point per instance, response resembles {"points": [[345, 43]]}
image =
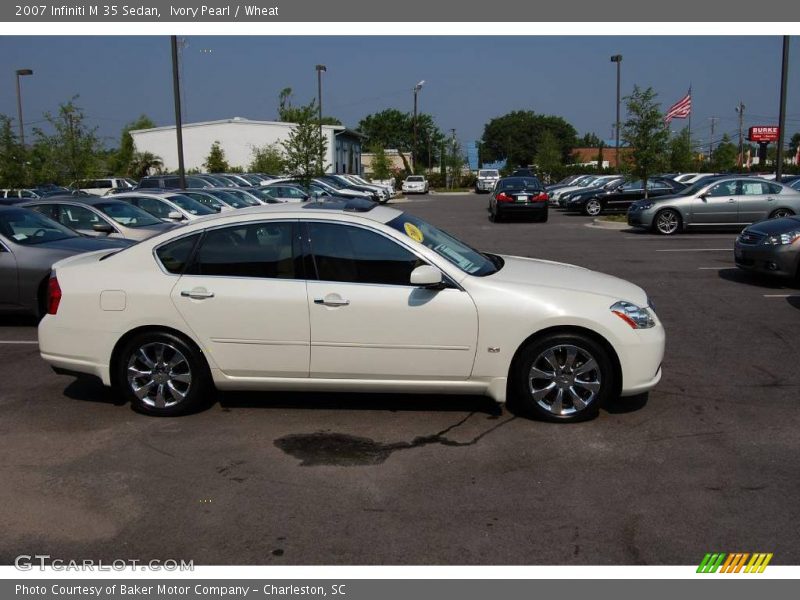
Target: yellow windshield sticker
{"points": [[413, 232]]}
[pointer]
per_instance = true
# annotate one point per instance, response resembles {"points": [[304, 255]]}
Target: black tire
{"points": [[593, 207], [661, 218], [543, 218], [495, 216], [781, 212], [569, 383], [168, 394]]}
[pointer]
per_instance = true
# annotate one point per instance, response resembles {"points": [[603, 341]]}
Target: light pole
{"points": [[176, 92], [617, 58], [320, 69], [417, 88], [782, 115], [740, 109], [21, 73]]}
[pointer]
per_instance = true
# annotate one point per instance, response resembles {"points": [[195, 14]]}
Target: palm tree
{"points": [[142, 163]]}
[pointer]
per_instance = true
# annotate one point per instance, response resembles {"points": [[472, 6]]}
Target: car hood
{"points": [[776, 226], [545, 273]]}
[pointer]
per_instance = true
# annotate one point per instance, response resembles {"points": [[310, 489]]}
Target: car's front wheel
{"points": [[781, 212], [562, 377], [667, 222], [593, 207], [161, 374]]}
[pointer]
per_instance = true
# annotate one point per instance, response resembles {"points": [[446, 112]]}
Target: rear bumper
{"points": [[508, 208]]}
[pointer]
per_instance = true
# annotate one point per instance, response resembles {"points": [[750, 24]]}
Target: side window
{"points": [[48, 210], [154, 207], [774, 188], [727, 188], [754, 188], [352, 254], [76, 217], [174, 255], [27, 194], [102, 183], [264, 250], [148, 183]]}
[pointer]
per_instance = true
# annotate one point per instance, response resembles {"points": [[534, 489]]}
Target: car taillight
{"points": [[53, 295], [542, 197], [503, 197]]}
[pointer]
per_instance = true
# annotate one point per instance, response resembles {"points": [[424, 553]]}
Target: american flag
{"points": [[681, 109]]}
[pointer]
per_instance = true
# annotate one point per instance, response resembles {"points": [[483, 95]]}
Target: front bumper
{"points": [[640, 218], [781, 261]]}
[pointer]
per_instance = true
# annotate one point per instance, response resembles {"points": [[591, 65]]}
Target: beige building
{"points": [[395, 160]]}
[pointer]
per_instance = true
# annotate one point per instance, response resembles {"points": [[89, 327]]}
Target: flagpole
{"points": [[690, 120]]}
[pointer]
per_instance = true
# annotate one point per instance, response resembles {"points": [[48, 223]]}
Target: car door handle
{"points": [[731, 200], [770, 199], [197, 294], [332, 301]]}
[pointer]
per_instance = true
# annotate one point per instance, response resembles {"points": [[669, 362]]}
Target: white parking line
{"points": [[693, 250], [781, 295], [18, 342], [713, 268]]}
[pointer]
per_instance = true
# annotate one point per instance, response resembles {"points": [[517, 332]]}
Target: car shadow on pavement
{"points": [[628, 404], [18, 321], [794, 302], [359, 401], [756, 279], [88, 389]]}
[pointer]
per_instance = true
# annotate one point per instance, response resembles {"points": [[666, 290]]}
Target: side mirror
{"points": [[428, 277], [174, 215], [703, 196], [103, 228]]}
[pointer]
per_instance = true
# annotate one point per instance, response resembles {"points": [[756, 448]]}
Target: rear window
{"points": [[520, 183]]}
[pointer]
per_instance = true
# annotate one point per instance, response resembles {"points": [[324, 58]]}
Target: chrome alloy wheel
{"points": [[159, 375], [781, 212], [667, 222], [564, 380], [593, 208]]}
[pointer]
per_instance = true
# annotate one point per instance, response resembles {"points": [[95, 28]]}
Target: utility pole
{"points": [[617, 58], [711, 139], [453, 174], [21, 73], [320, 69], [740, 109], [176, 92], [782, 117], [416, 90]]}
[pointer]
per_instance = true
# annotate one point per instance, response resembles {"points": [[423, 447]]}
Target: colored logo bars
{"points": [[735, 562]]}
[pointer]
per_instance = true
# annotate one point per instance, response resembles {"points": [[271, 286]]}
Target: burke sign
{"points": [[763, 133]]}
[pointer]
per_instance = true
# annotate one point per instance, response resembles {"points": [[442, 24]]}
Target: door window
{"points": [[175, 255], [263, 250], [154, 207], [754, 188], [726, 188], [352, 254], [76, 217]]}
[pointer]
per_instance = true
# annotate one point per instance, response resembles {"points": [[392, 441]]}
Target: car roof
{"points": [[90, 201]]}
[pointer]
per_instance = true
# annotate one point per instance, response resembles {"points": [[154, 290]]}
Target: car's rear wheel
{"points": [[494, 215], [161, 374], [593, 207], [781, 212], [667, 222], [562, 377]]}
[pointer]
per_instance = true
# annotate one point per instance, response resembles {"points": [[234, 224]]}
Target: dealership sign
{"points": [[762, 133]]}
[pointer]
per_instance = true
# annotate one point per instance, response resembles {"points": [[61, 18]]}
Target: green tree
{"points": [[13, 167], [645, 133], [268, 159], [215, 161], [681, 158], [794, 142], [589, 140], [381, 165], [392, 128], [143, 164], [120, 159], [304, 149], [516, 136], [548, 155], [287, 113], [724, 157]]}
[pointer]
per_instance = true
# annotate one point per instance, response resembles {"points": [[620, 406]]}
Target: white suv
{"points": [[487, 179], [101, 187], [415, 184]]}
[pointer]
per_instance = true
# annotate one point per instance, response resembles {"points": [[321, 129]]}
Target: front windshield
{"points": [[454, 251], [696, 186], [193, 207], [229, 198], [261, 194], [415, 178], [127, 214], [30, 228]]}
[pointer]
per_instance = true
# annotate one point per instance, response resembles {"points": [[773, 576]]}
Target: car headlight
{"points": [[781, 239], [645, 205], [635, 316]]}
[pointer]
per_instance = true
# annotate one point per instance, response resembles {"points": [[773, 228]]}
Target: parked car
{"points": [[386, 302], [518, 195], [579, 184], [523, 172], [690, 178], [104, 185], [29, 244], [415, 184], [169, 206], [727, 201], [217, 198], [166, 182], [486, 180], [341, 183], [601, 184], [286, 192], [622, 196], [770, 247], [100, 217]]}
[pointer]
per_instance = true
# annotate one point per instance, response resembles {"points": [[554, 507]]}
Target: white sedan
{"points": [[415, 184], [345, 295]]}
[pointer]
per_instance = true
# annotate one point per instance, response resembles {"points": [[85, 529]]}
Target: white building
{"points": [[237, 137]]}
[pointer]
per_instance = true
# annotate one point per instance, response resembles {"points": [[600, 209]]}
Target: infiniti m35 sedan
{"points": [[345, 295]]}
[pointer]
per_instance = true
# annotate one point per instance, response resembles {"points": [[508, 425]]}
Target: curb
{"points": [[608, 224]]}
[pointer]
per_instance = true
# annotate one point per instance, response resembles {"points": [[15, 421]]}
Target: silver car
{"points": [[727, 201], [100, 217], [29, 245]]}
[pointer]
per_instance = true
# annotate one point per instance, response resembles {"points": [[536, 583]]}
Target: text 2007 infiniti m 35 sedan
{"points": [[345, 295]]}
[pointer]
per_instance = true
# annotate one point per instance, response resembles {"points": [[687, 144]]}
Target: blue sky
{"points": [[469, 80]]}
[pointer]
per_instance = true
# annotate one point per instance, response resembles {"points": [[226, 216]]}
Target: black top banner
{"points": [[465, 11]]}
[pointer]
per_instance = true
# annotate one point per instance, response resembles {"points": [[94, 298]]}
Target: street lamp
{"points": [[320, 69], [21, 73], [417, 88], [617, 58]]}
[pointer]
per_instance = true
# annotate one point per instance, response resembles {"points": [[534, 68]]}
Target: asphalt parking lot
{"points": [[706, 462]]}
